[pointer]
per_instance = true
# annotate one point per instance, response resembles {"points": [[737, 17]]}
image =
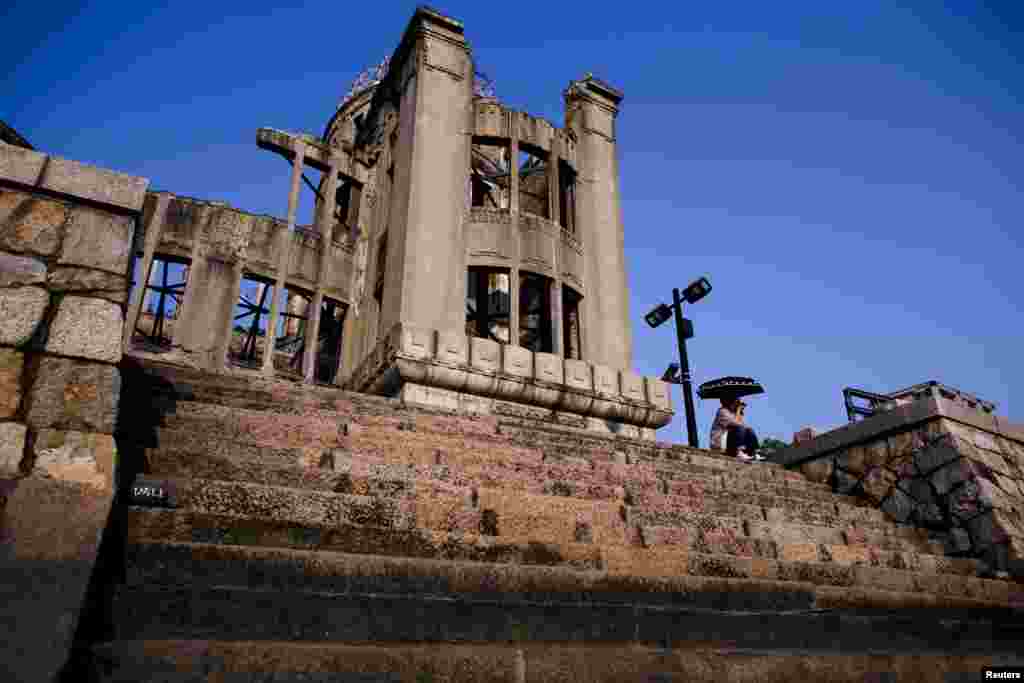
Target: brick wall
{"points": [[65, 236]]}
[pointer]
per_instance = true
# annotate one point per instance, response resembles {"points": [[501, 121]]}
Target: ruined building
{"points": [[463, 255], [405, 443]]}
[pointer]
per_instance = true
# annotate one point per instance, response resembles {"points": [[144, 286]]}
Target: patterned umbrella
{"points": [[730, 387]]}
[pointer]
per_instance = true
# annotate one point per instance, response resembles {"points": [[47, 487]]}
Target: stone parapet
{"points": [[450, 368], [934, 461], [65, 235]]}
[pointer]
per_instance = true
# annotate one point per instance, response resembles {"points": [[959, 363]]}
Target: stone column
{"points": [[432, 75], [591, 109], [555, 306], [513, 307], [66, 230], [326, 228], [161, 201], [227, 333], [181, 335], [283, 254]]}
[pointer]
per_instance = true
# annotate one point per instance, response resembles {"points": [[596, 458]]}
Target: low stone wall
{"points": [[936, 463], [65, 236], [449, 370]]}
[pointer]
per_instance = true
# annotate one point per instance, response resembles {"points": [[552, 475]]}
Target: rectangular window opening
{"points": [[533, 182], [566, 197], [535, 313], [571, 323], [328, 356], [488, 304], [247, 345], [292, 321], [162, 295], [490, 174]]}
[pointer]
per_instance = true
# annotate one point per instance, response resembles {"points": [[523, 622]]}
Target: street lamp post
{"points": [[693, 293], [684, 361]]}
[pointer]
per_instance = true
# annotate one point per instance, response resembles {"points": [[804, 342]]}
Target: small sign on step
{"points": [[152, 494]]}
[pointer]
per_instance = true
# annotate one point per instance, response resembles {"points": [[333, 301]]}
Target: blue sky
{"points": [[848, 175]]}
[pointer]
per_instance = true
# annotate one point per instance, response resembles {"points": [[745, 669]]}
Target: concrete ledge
{"points": [[63, 176], [902, 417]]}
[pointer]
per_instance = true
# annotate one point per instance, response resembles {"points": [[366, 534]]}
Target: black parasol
{"points": [[730, 387]]}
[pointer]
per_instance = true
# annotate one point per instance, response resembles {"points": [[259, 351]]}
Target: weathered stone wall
{"points": [[935, 463], [65, 236]]}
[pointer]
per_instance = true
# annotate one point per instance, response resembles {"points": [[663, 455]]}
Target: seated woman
{"points": [[740, 440]]}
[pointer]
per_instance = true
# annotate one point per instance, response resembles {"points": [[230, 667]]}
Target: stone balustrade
{"points": [[440, 368]]}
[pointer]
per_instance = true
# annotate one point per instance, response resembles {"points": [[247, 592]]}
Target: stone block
{"points": [[958, 541], [87, 328], [82, 457], [804, 435], [659, 393], [20, 165], [951, 475], [96, 239], [31, 224], [484, 355], [516, 361], [818, 471], [12, 448], [845, 483], [898, 505], [12, 364], [414, 342], [21, 270], [74, 279], [94, 183], [21, 311], [74, 395], [606, 382], [577, 375], [937, 455]]}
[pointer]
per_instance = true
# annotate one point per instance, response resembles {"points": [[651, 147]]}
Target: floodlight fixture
{"points": [[658, 315], [696, 290], [672, 374]]}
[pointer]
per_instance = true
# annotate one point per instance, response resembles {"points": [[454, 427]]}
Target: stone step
{"points": [[429, 504], [897, 537], [204, 591], [431, 434], [284, 661], [188, 453], [726, 557], [701, 539], [393, 496], [175, 526]]}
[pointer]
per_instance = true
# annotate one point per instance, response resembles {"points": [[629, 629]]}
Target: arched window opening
{"points": [[490, 175], [572, 347], [533, 182], [535, 313], [488, 304]]}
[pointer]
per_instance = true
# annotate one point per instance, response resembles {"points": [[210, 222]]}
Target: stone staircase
{"points": [[315, 534]]}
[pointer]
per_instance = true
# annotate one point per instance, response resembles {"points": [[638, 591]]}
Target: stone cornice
{"points": [[480, 367]]}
